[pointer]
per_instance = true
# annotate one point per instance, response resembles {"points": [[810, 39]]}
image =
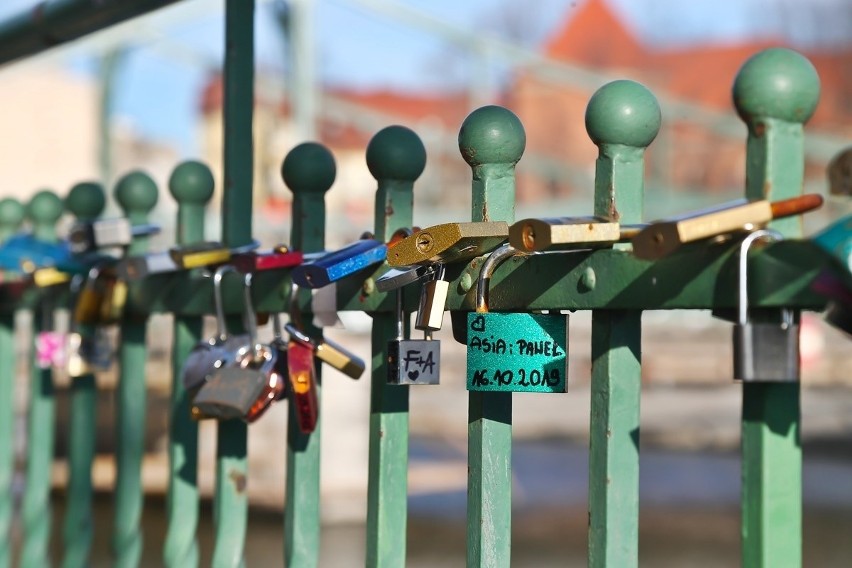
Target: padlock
{"points": [[764, 351], [49, 276], [279, 257], [89, 353], [514, 352], [398, 277], [26, 253], [338, 264], [303, 388], [200, 254], [449, 242], [90, 299], [87, 236], [433, 300], [114, 298], [325, 350], [139, 267], [412, 361], [209, 355], [661, 238], [246, 386], [556, 233]]}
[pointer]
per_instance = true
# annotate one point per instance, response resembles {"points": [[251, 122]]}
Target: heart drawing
{"points": [[478, 324], [412, 375]]}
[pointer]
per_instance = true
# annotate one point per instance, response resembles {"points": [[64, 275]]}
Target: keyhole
{"points": [[425, 242], [528, 237]]}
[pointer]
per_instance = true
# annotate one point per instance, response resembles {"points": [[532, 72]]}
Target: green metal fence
{"points": [[775, 93]]}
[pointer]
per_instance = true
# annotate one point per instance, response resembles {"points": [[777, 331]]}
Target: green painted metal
{"points": [[12, 215], [136, 193], [191, 185], [775, 92], [54, 22], [308, 170], [86, 202], [396, 157], [231, 444], [43, 211], [622, 119], [491, 141]]}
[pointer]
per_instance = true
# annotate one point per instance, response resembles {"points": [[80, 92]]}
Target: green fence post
{"points": [[308, 170], [43, 210], [775, 92], [191, 184], [86, 202], [11, 217], [622, 119], [136, 194], [491, 140], [396, 158], [231, 498]]}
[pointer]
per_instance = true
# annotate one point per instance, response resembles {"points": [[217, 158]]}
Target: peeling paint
{"points": [[238, 478]]}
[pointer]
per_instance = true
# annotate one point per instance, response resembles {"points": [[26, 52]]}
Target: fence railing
{"points": [[775, 93]]}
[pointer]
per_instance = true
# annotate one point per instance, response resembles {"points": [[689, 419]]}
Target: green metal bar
{"points": [[54, 22], [308, 170], [491, 140], [44, 209], [136, 194], [396, 158], [11, 216], [775, 92], [191, 185], [622, 118], [8, 361], [231, 498], [86, 202]]}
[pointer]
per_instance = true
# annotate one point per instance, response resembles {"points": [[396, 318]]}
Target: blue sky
{"points": [[158, 92]]}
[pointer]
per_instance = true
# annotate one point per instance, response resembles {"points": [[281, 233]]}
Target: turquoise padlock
{"points": [[514, 352]]}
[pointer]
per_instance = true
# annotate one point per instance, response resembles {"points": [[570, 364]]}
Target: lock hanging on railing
{"points": [[412, 361], [85, 353], [764, 351], [514, 352]]}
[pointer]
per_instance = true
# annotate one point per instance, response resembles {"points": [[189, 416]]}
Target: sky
{"points": [[160, 82]]}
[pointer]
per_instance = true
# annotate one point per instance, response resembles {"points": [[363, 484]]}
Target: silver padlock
{"points": [[412, 361], [433, 300], [245, 387], [85, 237], [764, 351], [209, 355]]}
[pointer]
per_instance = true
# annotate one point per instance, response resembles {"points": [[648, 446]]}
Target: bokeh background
{"points": [[148, 94]]}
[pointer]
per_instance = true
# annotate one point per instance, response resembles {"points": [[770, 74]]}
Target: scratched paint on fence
{"points": [[517, 352]]}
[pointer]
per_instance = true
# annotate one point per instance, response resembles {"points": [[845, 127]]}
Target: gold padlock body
{"points": [[88, 307], [661, 238], [532, 235], [115, 297], [340, 358], [44, 277], [449, 242], [197, 256]]}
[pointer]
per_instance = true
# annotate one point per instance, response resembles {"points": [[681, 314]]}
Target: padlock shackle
{"points": [[745, 245], [221, 329], [400, 315], [491, 263], [250, 314]]}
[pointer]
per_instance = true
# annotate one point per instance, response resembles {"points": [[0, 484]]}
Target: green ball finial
{"points": [[396, 152], [776, 83], [136, 192], [623, 112], [492, 135], [11, 213], [191, 183], [309, 168], [45, 208], [86, 201]]}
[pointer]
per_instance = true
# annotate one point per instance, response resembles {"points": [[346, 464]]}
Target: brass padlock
{"points": [[555, 233], [114, 298], [449, 242], [90, 299]]}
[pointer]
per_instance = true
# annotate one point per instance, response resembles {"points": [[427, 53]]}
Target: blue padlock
{"points": [[335, 265], [26, 253]]}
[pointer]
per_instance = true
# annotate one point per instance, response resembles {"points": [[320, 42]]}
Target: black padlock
{"points": [[764, 351]]}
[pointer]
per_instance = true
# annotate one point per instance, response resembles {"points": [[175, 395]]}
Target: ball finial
{"points": [[623, 112], [136, 192], [45, 208], [309, 168], [11, 212], [191, 182], [396, 152], [776, 83], [86, 200], [492, 135]]}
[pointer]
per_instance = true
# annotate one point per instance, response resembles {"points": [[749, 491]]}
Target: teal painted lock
{"points": [[514, 352]]}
